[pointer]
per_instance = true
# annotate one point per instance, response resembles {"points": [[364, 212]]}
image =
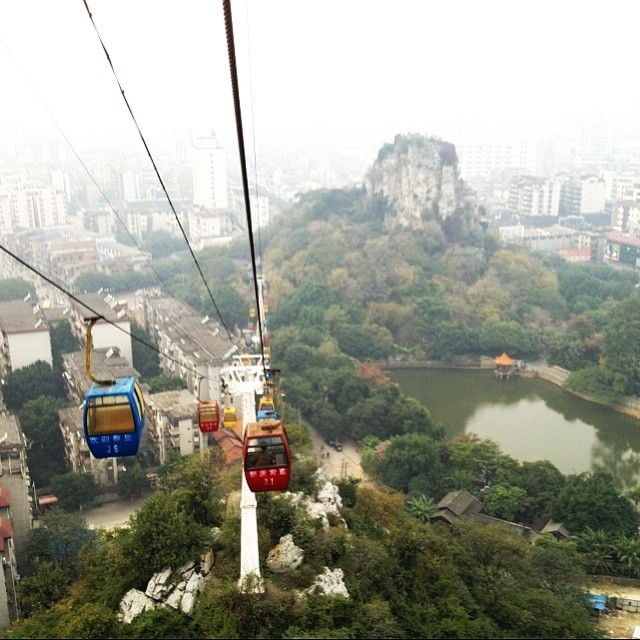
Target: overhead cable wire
{"points": [[84, 166], [228, 20], [253, 133], [155, 168], [97, 314]]}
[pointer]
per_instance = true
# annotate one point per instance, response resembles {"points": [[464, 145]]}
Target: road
{"points": [[337, 464]]}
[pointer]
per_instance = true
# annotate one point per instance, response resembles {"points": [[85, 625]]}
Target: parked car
{"points": [[337, 446]]}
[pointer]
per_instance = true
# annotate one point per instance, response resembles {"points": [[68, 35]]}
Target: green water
{"points": [[530, 420]]}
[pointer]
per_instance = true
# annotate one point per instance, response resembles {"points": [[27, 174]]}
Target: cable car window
{"points": [[139, 397], [266, 452], [110, 414]]}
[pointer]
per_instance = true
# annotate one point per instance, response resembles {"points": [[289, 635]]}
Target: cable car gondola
{"points": [[267, 409], [267, 459], [208, 413], [113, 416], [208, 416], [229, 418]]}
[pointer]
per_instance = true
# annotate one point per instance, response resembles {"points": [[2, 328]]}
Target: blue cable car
{"points": [[114, 418], [267, 409]]}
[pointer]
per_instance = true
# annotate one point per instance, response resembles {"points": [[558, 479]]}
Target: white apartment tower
{"points": [[490, 156], [593, 140], [209, 174]]}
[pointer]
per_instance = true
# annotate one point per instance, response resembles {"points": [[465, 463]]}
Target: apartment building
{"points": [[581, 194], [497, 156], [209, 163], [191, 347], [31, 206], [172, 425], [112, 330], [548, 240], [625, 217], [24, 335], [534, 196], [16, 514], [207, 228]]}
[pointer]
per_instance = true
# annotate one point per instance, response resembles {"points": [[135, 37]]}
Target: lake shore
{"points": [[554, 375]]}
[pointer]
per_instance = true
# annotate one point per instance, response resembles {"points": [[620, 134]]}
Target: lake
{"points": [[530, 419]]}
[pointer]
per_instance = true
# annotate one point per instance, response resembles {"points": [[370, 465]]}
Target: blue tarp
{"points": [[598, 601]]}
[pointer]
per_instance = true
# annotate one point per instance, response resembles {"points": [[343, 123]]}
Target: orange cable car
{"points": [[208, 416], [267, 459]]}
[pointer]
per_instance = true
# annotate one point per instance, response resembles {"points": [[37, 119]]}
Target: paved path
{"points": [[111, 514]]}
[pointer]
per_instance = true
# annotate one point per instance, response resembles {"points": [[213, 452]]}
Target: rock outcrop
{"points": [[329, 583], [285, 556], [326, 507], [180, 594], [418, 178]]}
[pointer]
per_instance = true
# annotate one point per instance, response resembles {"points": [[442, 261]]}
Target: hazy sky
{"points": [[342, 72]]}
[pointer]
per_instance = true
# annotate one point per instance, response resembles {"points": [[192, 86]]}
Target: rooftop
{"points": [[10, 432], [20, 316]]}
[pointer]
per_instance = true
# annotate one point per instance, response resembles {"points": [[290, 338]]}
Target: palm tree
{"points": [[627, 550], [421, 507], [598, 551], [634, 494]]}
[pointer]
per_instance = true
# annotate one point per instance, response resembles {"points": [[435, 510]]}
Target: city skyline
{"points": [[333, 75]]}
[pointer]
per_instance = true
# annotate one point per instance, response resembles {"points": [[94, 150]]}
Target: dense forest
{"points": [[347, 297]]}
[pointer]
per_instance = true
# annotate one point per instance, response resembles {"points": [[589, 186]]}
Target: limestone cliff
{"points": [[418, 178]]}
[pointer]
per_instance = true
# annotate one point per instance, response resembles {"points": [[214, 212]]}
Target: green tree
{"points": [[161, 383], [162, 244], [542, 481], [58, 540], [31, 382], [475, 462], [634, 495], [505, 502], [161, 622], [409, 456], [16, 289], [46, 585], [193, 483], [621, 347], [45, 449], [421, 507], [231, 305], [62, 341], [74, 490], [134, 482], [145, 359], [627, 551], [92, 620], [163, 535], [597, 550], [592, 501]]}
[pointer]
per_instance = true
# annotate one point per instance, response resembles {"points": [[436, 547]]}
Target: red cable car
{"points": [[267, 459], [208, 416]]}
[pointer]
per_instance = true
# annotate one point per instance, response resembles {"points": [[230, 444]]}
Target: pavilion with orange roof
{"points": [[504, 366]]}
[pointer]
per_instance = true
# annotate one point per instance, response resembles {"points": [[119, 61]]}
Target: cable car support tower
{"points": [[244, 376]]}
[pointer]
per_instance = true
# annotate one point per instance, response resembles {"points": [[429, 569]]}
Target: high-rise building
{"points": [[593, 140], [209, 174], [492, 156]]}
